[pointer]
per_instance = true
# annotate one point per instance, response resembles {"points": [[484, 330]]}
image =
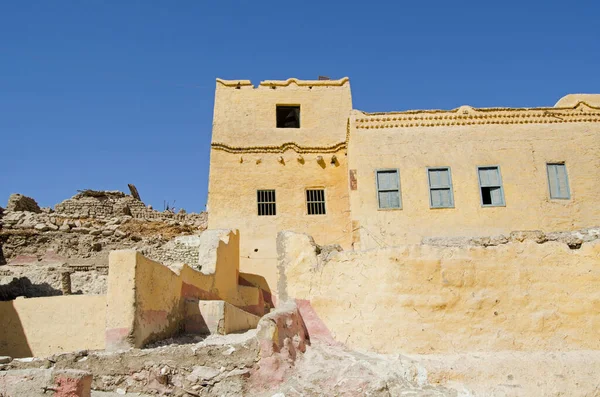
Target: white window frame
{"points": [[377, 190], [450, 187], [568, 196], [501, 186]]}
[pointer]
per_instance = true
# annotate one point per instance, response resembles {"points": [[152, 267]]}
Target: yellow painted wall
{"points": [[44, 326], [158, 305], [425, 299], [245, 117], [249, 153], [521, 142], [219, 317], [146, 299], [232, 200]]}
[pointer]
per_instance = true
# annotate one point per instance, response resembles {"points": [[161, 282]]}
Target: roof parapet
{"points": [[580, 112], [572, 100], [285, 83]]}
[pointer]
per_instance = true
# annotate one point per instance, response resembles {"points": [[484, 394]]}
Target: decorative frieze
{"points": [[279, 149], [466, 115]]}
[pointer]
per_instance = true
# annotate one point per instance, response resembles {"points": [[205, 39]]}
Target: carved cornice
{"points": [[234, 83], [466, 115], [312, 83], [279, 149], [285, 83]]}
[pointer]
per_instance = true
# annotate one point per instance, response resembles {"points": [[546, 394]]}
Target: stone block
{"points": [[216, 317], [72, 383]]}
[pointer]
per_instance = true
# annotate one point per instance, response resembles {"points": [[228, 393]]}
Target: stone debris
{"points": [[574, 239], [36, 245], [184, 367], [18, 202], [168, 370]]}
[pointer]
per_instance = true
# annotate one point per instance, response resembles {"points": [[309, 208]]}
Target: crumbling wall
{"points": [[430, 299], [35, 247], [91, 203], [45, 278], [18, 202], [93, 222], [147, 301]]}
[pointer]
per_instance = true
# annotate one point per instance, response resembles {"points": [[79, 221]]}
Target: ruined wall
{"points": [[44, 326], [430, 299], [519, 141], [143, 303], [37, 247], [18, 202], [146, 300], [102, 204], [249, 153]]}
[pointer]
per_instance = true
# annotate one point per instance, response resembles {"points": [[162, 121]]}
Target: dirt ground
{"points": [[225, 366]]}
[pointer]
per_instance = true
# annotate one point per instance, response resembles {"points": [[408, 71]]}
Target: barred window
{"points": [[266, 202], [315, 201]]}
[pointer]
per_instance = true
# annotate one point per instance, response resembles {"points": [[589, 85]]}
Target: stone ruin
{"points": [[18, 202], [39, 246]]}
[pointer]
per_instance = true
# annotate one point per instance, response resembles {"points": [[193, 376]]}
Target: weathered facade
{"points": [[293, 155], [249, 153]]}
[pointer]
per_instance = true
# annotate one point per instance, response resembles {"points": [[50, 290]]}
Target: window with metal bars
{"points": [[315, 201], [266, 202]]}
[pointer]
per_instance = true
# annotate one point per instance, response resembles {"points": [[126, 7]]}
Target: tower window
{"points": [[288, 116], [315, 201], [266, 202]]}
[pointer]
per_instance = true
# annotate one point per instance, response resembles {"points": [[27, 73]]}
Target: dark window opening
{"points": [[315, 201], [266, 202], [486, 195], [490, 185], [288, 116]]}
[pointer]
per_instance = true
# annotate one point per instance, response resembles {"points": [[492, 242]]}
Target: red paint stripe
{"points": [[316, 328]]}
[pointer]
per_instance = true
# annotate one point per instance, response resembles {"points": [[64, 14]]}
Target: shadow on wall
{"points": [[13, 341], [2, 258], [254, 280], [24, 287]]}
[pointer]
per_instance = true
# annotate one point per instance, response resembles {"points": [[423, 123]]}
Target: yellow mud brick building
{"points": [[294, 155]]}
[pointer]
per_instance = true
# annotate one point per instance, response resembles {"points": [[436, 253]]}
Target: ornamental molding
{"points": [[279, 149], [285, 83], [466, 115]]}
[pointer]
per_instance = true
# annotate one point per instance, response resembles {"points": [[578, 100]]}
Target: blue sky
{"points": [[97, 94]]}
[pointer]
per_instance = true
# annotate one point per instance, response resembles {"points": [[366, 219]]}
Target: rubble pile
{"points": [[38, 245]]}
